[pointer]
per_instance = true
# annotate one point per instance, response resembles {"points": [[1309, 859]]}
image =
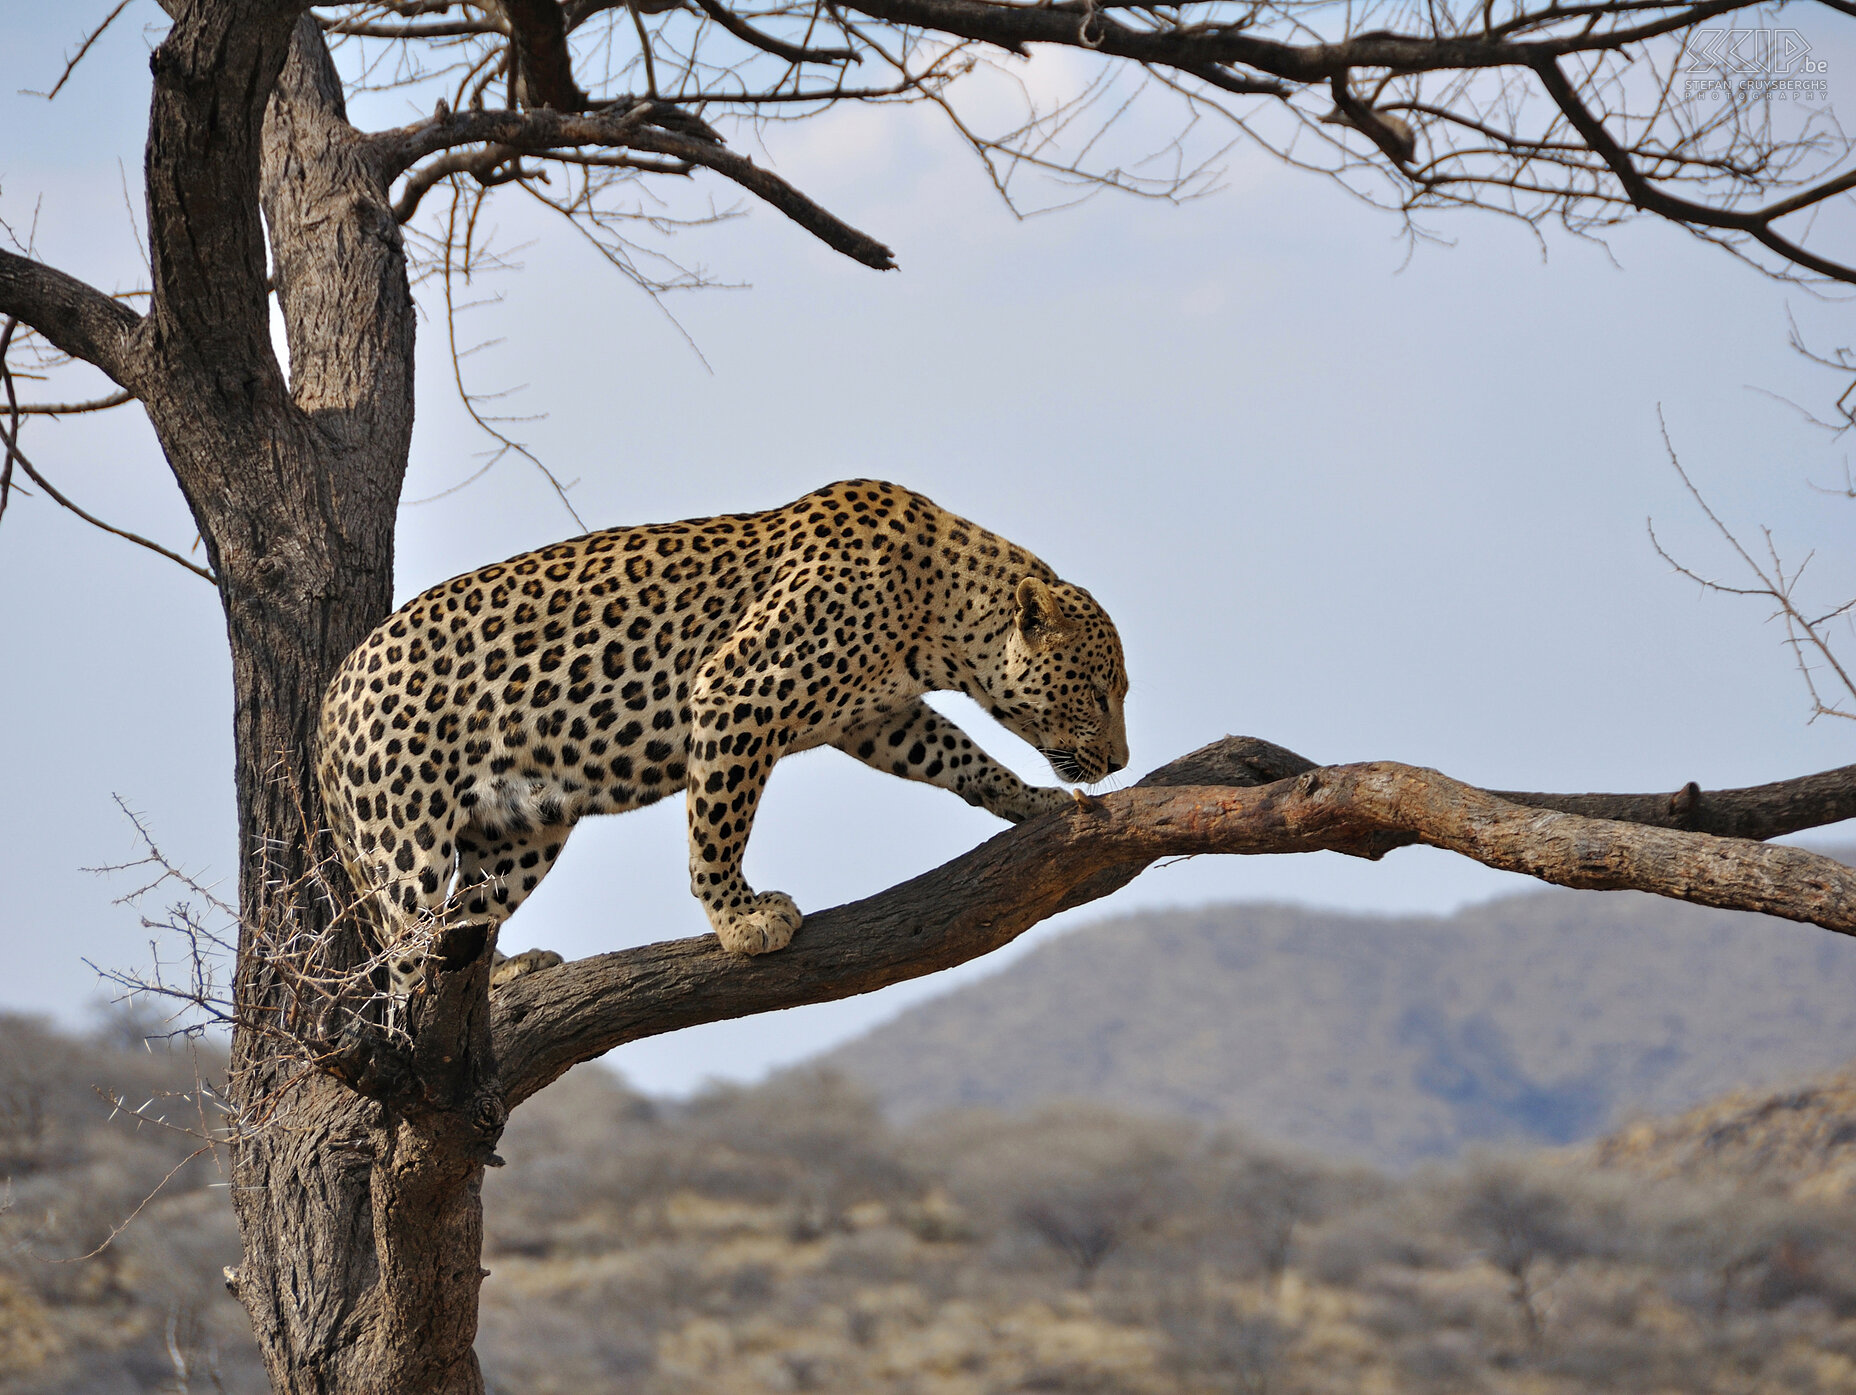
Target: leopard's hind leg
{"points": [[497, 869]]}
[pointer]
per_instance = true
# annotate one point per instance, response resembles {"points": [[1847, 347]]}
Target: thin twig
{"points": [[71, 66], [9, 440], [71, 409], [1802, 633], [469, 399], [141, 1206], [12, 409]]}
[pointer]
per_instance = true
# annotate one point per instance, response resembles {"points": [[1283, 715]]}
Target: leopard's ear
{"points": [[1039, 615]]}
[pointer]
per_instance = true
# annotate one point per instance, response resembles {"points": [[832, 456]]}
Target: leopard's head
{"points": [[1062, 681]]}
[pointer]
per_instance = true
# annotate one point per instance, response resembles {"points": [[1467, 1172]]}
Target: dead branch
{"points": [[1804, 633], [652, 127], [84, 48], [11, 455], [479, 164], [767, 43], [1644, 194], [76, 318], [442, 29], [547, 1022], [1567, 111], [71, 409], [450, 270], [772, 190], [12, 409]]}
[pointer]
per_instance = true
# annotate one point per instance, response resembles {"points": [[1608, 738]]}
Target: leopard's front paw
{"points": [[1038, 801], [530, 961], [760, 928]]}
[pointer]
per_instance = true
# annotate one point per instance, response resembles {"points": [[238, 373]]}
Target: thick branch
{"points": [[1644, 194], [1079, 24], [77, 318], [1758, 812], [213, 74], [986, 898], [539, 34], [655, 127]]}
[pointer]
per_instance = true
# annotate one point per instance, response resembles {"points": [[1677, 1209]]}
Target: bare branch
{"points": [[548, 1021], [1756, 223], [398, 150], [1012, 26], [12, 408], [76, 318], [481, 164], [72, 409], [82, 49], [654, 127], [771, 189], [9, 444], [1803, 633], [450, 271], [442, 29], [748, 34]]}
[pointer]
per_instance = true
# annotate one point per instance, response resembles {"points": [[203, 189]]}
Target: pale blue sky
{"points": [[1365, 505]]}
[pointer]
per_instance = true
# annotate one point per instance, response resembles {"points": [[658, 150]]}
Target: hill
{"points": [[789, 1238], [1541, 1018], [1798, 1143]]}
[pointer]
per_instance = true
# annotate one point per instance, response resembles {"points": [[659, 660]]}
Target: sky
{"points": [[1363, 500]]}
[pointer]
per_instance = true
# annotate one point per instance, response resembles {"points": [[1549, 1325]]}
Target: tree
{"points": [[1274, 1195], [356, 1157], [1521, 1222]]}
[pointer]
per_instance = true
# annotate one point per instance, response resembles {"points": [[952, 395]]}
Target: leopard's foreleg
{"points": [[916, 742]]}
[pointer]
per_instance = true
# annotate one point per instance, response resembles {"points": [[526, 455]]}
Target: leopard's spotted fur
{"points": [[463, 740]]}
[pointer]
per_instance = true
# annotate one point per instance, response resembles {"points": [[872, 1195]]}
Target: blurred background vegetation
{"points": [[854, 1226]]}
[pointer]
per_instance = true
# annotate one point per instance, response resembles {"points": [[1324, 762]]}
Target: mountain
{"points": [[789, 1237], [1799, 1142], [1546, 1018]]}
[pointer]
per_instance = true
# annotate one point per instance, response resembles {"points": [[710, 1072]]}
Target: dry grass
{"points": [[785, 1238]]}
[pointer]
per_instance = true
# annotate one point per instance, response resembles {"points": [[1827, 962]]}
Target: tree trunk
{"points": [[360, 1218]]}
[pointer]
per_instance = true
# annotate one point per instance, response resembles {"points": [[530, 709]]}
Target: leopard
{"points": [[460, 743]]}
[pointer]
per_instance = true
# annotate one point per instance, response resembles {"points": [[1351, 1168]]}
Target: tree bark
{"points": [[1237, 796], [360, 1219]]}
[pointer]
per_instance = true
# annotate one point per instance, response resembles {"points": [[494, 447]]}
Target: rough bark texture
{"points": [[360, 1221], [356, 1179], [1236, 796]]}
